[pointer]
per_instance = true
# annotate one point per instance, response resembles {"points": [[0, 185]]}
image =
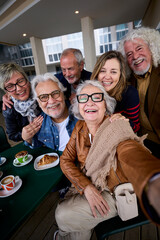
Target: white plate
{"points": [[3, 159], [5, 193], [30, 157], [50, 165]]}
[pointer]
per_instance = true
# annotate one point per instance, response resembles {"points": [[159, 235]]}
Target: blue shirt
{"points": [[48, 135]]}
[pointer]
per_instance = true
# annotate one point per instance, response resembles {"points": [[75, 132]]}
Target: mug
{"points": [[8, 182], [21, 156]]}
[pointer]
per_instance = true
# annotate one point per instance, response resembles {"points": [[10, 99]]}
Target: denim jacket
{"points": [[48, 135]]}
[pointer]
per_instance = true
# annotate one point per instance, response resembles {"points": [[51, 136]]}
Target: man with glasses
{"points": [[57, 124]]}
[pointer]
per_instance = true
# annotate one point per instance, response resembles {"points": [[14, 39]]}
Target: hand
{"points": [[117, 116], [153, 194], [96, 201], [7, 102], [31, 129]]}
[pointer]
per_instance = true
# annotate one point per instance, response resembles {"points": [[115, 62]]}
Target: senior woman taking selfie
{"points": [[98, 151]]}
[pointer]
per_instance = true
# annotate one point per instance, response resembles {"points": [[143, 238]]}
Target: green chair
{"points": [[4, 144]]}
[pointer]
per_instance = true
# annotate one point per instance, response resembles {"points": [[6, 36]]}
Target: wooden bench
{"points": [[116, 225]]}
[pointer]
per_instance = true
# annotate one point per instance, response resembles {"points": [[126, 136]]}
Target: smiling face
{"points": [[70, 68], [109, 74], [55, 108], [92, 112], [138, 56], [21, 93]]}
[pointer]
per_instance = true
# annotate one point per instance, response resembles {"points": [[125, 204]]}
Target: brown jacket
{"points": [[135, 163], [152, 101]]}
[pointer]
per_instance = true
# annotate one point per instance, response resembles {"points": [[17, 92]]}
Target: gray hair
{"points": [[43, 78], [150, 36], [110, 101], [7, 70], [77, 53]]}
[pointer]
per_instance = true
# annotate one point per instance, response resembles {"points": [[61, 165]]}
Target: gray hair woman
{"points": [[17, 86], [109, 101], [97, 152]]}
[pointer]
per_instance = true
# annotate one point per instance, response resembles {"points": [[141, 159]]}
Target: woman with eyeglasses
{"points": [[25, 109], [98, 155], [110, 70]]}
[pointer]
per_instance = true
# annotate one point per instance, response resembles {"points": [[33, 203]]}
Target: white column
{"points": [[88, 43], [38, 54]]}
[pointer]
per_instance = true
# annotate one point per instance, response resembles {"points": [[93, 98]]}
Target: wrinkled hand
{"points": [[72, 97], [153, 194], [7, 102], [31, 129], [96, 201], [117, 116]]}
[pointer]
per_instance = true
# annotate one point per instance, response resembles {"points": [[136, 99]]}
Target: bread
{"points": [[47, 160]]}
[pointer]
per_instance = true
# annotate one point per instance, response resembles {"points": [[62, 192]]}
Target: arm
{"points": [[7, 102], [69, 168], [130, 107], [137, 164], [14, 123]]}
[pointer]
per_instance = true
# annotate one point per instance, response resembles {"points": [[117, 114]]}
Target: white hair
{"points": [[43, 78], [110, 101], [150, 36]]}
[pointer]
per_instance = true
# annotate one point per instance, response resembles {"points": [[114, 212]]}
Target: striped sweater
{"points": [[129, 107]]}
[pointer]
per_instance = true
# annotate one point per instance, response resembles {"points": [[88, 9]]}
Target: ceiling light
{"points": [[76, 12], [24, 34]]}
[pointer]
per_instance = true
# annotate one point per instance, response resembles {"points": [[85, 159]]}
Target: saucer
{"points": [[3, 160], [30, 157], [5, 193]]}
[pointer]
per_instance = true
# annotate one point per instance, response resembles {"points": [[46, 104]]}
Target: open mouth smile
{"points": [[136, 63], [89, 110]]}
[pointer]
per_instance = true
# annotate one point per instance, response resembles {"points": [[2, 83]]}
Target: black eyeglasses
{"points": [[96, 97], [45, 97], [12, 87]]}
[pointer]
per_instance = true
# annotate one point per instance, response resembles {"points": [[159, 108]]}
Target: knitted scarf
{"points": [[102, 154], [26, 108]]}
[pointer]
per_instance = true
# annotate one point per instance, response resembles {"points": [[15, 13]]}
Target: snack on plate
{"points": [[21, 154], [47, 160]]}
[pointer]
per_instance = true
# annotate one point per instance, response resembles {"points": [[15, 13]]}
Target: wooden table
{"points": [[35, 186]]}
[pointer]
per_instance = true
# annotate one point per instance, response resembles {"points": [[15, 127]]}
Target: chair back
{"points": [[4, 144]]}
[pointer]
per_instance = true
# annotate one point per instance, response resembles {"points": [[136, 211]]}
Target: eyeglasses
{"points": [[96, 97], [12, 87], [45, 97]]}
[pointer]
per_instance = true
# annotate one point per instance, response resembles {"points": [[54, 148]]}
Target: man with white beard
{"points": [[58, 123], [141, 48]]}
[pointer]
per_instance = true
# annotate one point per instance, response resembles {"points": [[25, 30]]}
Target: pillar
{"points": [[38, 54], [88, 42]]}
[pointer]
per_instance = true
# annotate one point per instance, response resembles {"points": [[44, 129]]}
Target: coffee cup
{"points": [[21, 156], [8, 182]]}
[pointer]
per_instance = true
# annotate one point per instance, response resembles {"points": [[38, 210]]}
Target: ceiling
{"points": [[49, 18]]}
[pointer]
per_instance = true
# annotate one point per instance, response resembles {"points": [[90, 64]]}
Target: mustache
{"points": [[52, 105], [137, 60]]}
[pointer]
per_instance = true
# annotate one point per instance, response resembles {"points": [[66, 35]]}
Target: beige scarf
{"points": [[102, 154]]}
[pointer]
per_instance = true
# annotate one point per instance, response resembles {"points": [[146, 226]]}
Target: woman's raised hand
{"points": [[31, 129], [96, 201]]}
